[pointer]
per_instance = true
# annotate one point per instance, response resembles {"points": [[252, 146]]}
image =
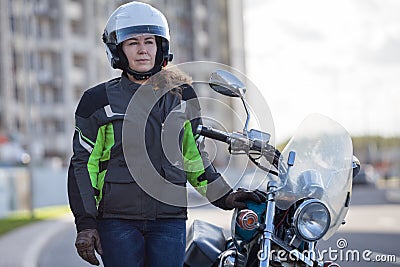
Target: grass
{"points": [[22, 218]]}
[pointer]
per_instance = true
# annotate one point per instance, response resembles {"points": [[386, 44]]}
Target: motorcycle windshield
{"points": [[322, 168]]}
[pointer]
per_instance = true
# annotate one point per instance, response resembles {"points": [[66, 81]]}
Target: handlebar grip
{"points": [[213, 134]]}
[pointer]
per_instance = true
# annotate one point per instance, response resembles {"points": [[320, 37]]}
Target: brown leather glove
{"points": [[237, 199], [86, 242]]}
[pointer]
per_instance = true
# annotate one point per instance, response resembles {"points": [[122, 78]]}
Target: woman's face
{"points": [[141, 52]]}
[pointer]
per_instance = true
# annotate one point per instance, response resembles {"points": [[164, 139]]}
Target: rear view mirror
{"points": [[356, 166], [226, 83]]}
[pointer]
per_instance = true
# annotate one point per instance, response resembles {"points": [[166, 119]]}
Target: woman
{"points": [[115, 212]]}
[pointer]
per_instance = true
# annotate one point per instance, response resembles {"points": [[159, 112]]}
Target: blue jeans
{"points": [[136, 243]]}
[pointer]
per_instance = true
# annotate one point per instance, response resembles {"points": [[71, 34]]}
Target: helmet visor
{"points": [[126, 33]]}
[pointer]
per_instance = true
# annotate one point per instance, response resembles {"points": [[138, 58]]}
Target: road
{"points": [[372, 233]]}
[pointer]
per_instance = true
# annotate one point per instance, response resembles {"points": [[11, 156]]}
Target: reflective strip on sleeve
{"points": [[85, 142]]}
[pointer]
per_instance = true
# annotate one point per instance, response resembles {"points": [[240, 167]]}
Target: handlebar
{"points": [[238, 141], [213, 134], [242, 143]]}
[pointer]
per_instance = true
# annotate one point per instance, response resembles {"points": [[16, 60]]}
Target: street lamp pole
{"points": [[28, 103]]}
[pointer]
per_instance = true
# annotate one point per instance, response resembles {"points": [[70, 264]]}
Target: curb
{"points": [[22, 247], [31, 258]]}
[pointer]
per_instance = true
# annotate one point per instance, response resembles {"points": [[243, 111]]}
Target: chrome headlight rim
{"points": [[302, 210]]}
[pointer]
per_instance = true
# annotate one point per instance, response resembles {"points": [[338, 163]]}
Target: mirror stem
{"points": [[246, 125]]}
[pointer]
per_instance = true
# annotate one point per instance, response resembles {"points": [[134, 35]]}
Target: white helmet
{"points": [[136, 18]]}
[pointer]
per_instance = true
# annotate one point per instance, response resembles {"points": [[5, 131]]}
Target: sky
{"points": [[340, 58]]}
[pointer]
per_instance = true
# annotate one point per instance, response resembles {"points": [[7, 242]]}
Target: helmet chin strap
{"points": [[143, 75]]}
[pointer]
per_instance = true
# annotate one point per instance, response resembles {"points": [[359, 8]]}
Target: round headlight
{"points": [[311, 220]]}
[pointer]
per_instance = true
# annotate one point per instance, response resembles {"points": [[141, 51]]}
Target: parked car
{"points": [[367, 175], [12, 153]]}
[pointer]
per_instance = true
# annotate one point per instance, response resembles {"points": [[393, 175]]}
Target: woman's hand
{"points": [[87, 241], [238, 199]]}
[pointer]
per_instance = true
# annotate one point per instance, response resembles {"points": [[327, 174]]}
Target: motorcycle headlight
{"points": [[311, 220]]}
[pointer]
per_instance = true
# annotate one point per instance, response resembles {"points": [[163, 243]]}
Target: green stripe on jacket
{"points": [[101, 152], [192, 161]]}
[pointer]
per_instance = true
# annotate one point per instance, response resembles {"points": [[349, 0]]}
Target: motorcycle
{"points": [[307, 188]]}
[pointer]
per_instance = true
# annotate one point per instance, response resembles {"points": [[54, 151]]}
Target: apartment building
{"points": [[51, 51]]}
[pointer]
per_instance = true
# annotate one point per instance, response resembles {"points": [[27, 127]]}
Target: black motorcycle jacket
{"points": [[106, 174]]}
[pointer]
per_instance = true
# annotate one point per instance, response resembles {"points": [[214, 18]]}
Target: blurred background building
{"points": [[51, 51]]}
